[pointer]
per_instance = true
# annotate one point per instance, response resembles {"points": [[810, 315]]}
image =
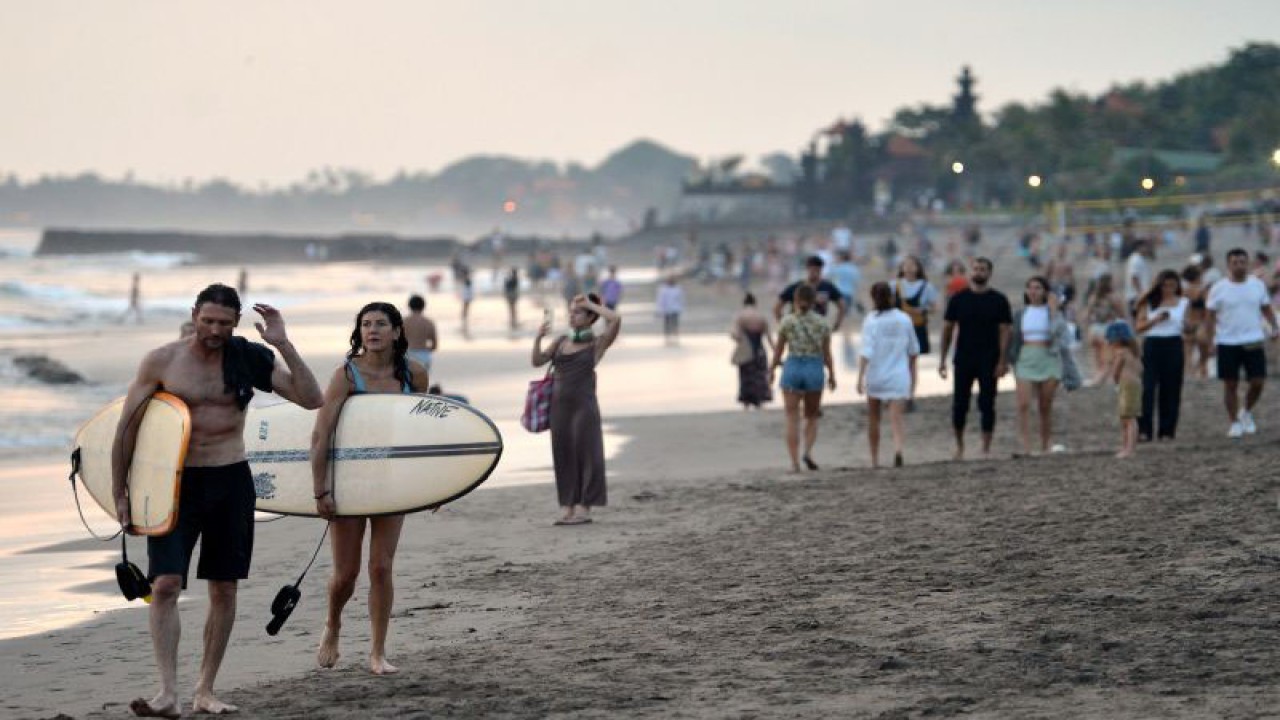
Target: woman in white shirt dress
{"points": [[887, 368]]}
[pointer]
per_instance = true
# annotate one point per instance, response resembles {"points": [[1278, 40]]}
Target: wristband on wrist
{"points": [[323, 494]]}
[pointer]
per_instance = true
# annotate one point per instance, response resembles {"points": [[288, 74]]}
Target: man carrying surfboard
{"points": [[214, 373]]}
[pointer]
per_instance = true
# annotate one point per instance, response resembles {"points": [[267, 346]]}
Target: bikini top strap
{"points": [[356, 379]]}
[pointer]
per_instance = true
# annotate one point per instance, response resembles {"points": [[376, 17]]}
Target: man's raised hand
{"points": [[272, 326]]}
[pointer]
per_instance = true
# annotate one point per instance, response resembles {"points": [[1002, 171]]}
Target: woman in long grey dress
{"points": [[577, 439], [751, 327]]}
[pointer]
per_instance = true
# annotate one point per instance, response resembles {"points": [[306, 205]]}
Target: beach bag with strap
{"points": [[912, 306], [743, 353], [536, 417]]}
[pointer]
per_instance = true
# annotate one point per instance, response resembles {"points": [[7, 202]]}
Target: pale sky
{"points": [[265, 90]]}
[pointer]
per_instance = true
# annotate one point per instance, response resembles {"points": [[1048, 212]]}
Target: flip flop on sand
{"points": [[573, 521], [142, 708]]}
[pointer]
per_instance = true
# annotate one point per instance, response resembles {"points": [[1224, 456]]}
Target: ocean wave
{"points": [[79, 304], [37, 291], [16, 322], [131, 260], [8, 253], [39, 441], [145, 260]]}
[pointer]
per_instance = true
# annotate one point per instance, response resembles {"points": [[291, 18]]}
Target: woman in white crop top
{"points": [[1035, 324], [1162, 313], [1036, 359]]}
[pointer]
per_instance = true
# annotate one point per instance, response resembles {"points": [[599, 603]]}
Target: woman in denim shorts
{"points": [[807, 336]]}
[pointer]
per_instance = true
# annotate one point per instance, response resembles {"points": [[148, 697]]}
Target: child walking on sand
{"points": [[1126, 370]]}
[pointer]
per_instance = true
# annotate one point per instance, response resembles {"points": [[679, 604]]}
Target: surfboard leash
{"points": [[75, 470], [287, 599], [133, 583], [315, 554]]}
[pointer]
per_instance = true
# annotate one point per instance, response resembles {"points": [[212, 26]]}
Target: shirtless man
{"points": [[420, 332], [217, 495]]}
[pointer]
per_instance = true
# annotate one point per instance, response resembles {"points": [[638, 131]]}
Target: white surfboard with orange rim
{"points": [[155, 470]]}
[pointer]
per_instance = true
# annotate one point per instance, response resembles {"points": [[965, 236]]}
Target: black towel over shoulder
{"points": [[246, 365]]}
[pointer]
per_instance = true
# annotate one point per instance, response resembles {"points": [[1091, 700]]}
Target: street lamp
{"points": [[1148, 184], [958, 167], [1033, 181]]}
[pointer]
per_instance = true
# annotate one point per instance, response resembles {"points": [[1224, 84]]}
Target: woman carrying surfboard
{"points": [[577, 439], [376, 363]]}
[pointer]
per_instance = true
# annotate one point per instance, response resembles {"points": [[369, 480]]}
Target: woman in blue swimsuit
{"points": [[375, 364]]}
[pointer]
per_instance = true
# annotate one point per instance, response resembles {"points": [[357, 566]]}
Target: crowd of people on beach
{"points": [[1171, 322]]}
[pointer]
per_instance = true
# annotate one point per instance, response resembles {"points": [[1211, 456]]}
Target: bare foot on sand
{"points": [[327, 655], [207, 704], [959, 453], [380, 666], [158, 707], [1124, 454]]}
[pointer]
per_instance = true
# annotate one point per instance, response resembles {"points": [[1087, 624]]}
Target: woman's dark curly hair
{"points": [[400, 346]]}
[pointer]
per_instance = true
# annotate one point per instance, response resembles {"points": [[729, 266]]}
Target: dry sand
{"points": [[1063, 586]]}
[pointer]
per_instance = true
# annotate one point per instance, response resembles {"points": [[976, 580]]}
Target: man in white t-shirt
{"points": [[1237, 305], [1137, 273]]}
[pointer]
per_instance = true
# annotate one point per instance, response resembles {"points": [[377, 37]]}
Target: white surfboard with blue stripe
{"points": [[391, 454]]}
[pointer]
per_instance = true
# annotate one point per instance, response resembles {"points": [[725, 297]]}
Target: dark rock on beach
{"points": [[47, 370]]}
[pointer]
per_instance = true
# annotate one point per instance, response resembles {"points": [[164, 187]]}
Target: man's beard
{"points": [[979, 281]]}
